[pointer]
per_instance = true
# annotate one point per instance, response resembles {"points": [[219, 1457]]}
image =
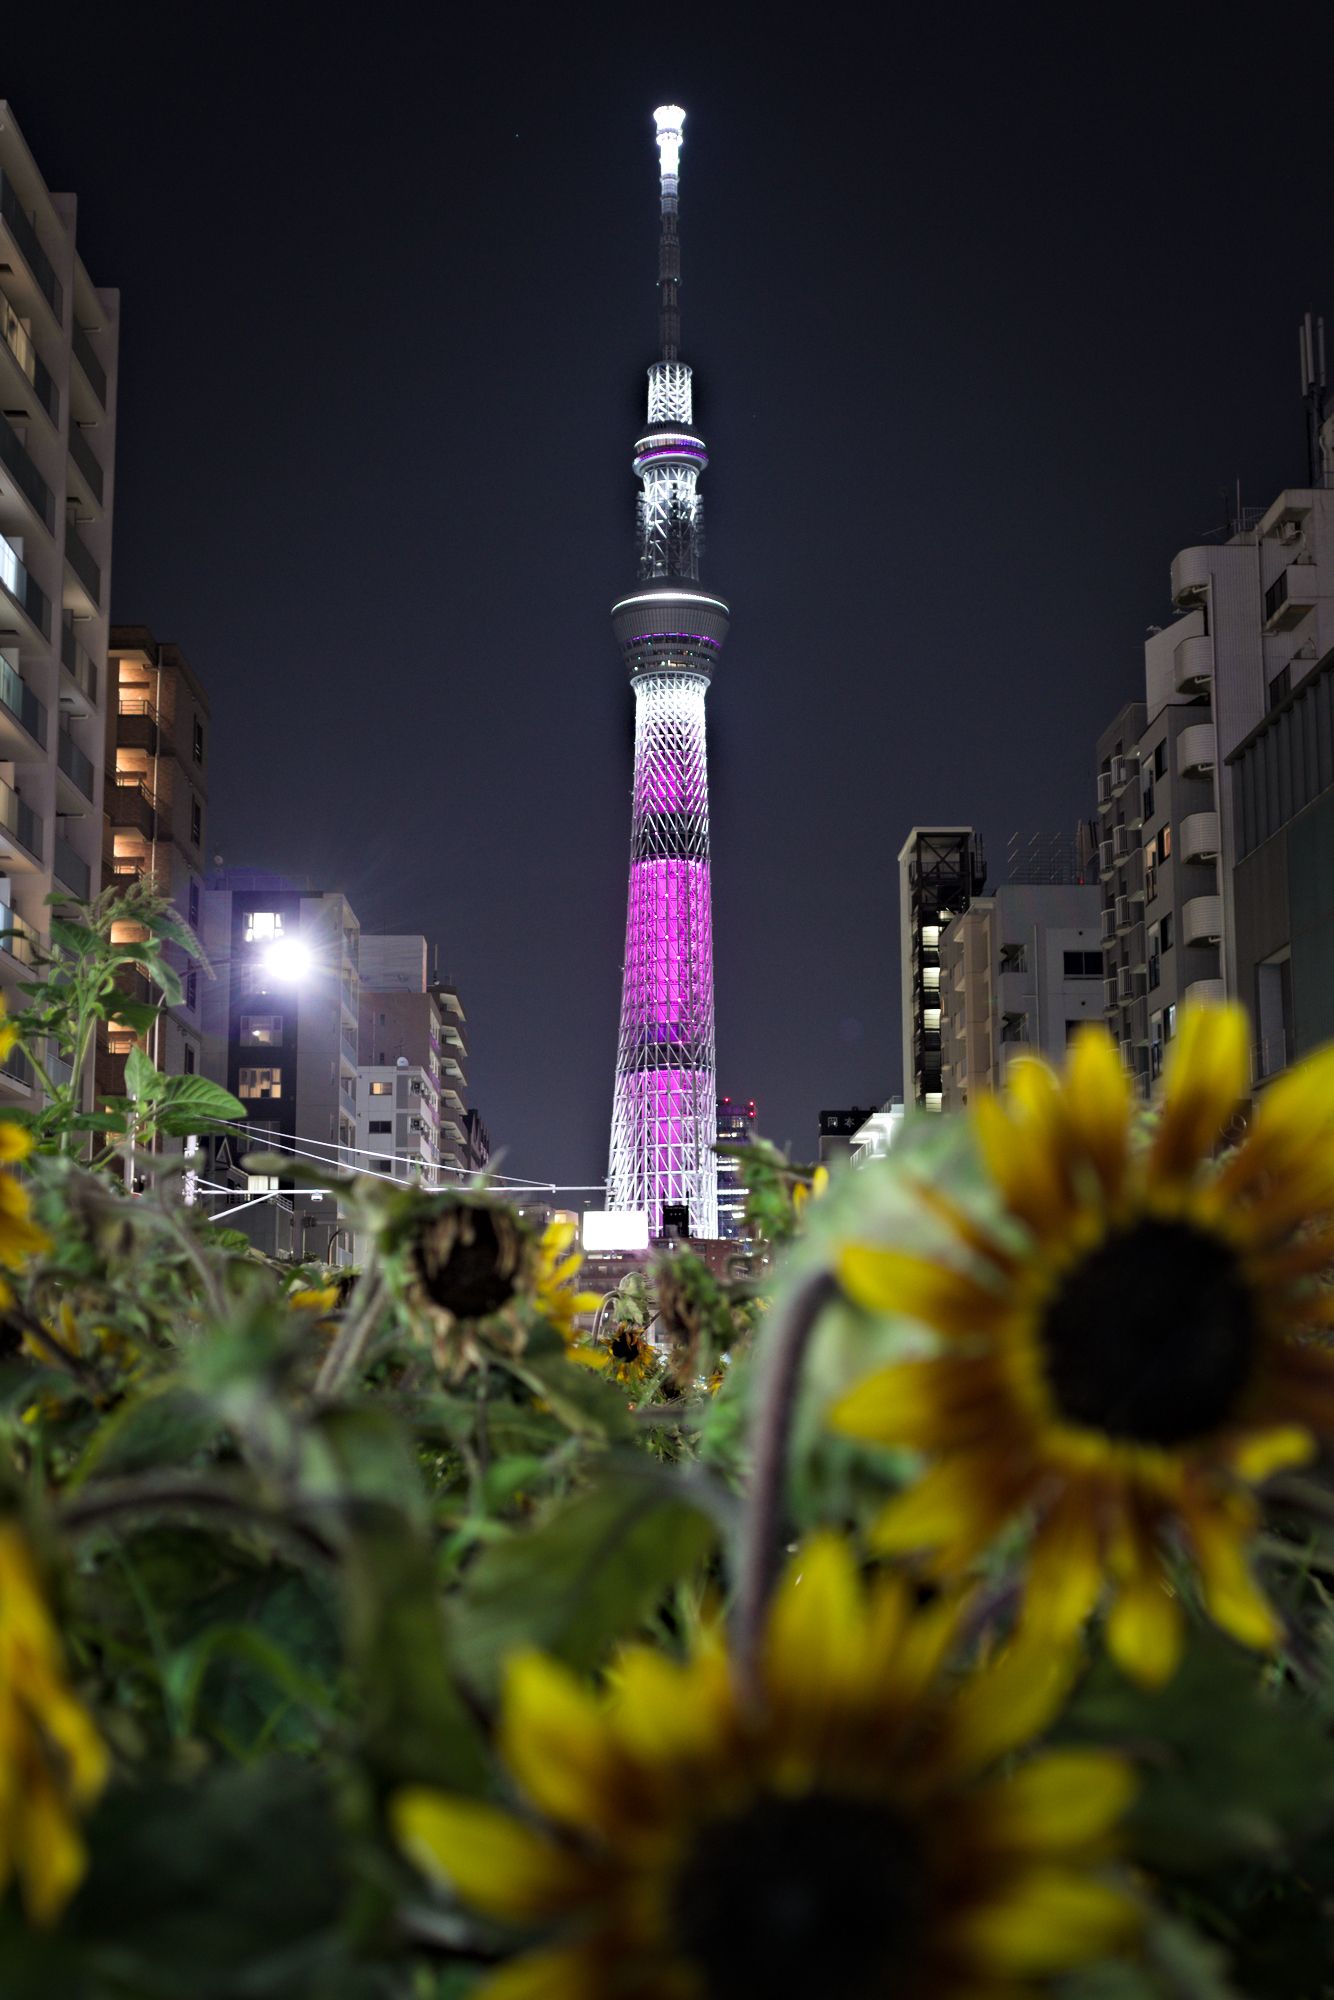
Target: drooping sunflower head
{"points": [[1137, 1340], [838, 1831]]}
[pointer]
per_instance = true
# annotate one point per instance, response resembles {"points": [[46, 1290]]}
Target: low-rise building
{"points": [[736, 1127]]}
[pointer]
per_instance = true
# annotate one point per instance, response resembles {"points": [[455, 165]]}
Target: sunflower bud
{"points": [[469, 1259]]}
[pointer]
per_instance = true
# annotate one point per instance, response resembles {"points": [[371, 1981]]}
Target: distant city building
{"points": [[838, 1129], [877, 1133], [736, 1127], [410, 1075], [476, 1142], [280, 1031], [58, 372], [941, 869], [1217, 839], [1020, 970], [156, 757]]}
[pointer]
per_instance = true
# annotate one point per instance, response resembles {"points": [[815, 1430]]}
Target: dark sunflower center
{"points": [[1152, 1337], [801, 1896], [468, 1259], [625, 1346]]}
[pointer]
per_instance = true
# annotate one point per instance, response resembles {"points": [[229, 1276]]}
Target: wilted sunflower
{"points": [[843, 1834], [557, 1268], [20, 1238], [1137, 1350], [52, 1761], [631, 1355]]}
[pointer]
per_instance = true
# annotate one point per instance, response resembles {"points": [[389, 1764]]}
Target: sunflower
{"points": [[20, 1238], [553, 1288], [53, 1763], [631, 1355], [1137, 1346], [843, 1834]]}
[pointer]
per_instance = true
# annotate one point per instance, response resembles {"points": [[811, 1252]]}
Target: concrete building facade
{"points": [[58, 374], [736, 1127], [1020, 970], [411, 1053]]}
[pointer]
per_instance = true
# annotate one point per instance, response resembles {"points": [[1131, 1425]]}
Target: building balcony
{"points": [[16, 462], [1290, 596], [94, 372], [23, 590], [79, 665], [18, 343], [1122, 843], [1124, 915], [1193, 664], [1190, 577], [15, 938], [85, 569], [1202, 920], [22, 232], [131, 803], [18, 704], [1106, 857], [1104, 789], [1137, 949], [1109, 923], [1199, 836], [1123, 771], [71, 869], [1197, 749], [138, 724], [20, 831], [1205, 992], [86, 463], [75, 764]]}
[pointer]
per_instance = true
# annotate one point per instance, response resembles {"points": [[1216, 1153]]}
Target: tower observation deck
{"points": [[670, 631]]}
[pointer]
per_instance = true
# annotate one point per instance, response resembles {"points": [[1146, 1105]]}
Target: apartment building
{"points": [[279, 1021], [400, 1072], [941, 869], [736, 1127], [58, 353], [476, 1142], [1020, 970], [1213, 847], [156, 757]]}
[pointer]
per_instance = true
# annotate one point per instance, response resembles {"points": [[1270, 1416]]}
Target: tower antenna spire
{"points": [[669, 119]]}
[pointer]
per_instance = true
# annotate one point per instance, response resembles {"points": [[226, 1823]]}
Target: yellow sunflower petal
{"points": [[1023, 1160], [1232, 1597], [893, 1281], [814, 1641], [15, 1141], [1065, 1570], [1010, 1701], [543, 1975], [1207, 1075], [955, 1508], [1048, 1919], [665, 1714], [1261, 1454], [1060, 1800], [927, 1404], [1293, 1118], [52, 1858], [1145, 1629], [494, 1862], [554, 1738], [1097, 1102]]}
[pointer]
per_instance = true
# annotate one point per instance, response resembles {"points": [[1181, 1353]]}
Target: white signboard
{"points": [[615, 1229]]}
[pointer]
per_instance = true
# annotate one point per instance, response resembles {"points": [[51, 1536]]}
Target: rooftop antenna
{"points": [[1311, 345], [669, 120]]}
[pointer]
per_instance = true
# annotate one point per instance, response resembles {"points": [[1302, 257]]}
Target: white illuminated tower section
{"points": [[670, 632]]}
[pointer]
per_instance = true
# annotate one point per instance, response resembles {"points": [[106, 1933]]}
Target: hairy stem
{"points": [[786, 1337], [349, 1345]]}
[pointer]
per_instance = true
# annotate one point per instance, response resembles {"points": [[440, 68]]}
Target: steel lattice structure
{"points": [[670, 632]]}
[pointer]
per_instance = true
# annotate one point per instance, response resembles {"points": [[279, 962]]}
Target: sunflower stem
{"points": [[759, 1543], [349, 1346]]}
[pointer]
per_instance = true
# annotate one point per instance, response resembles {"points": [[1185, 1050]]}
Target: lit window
{"points": [[263, 925], [260, 1083], [382, 1090], [1165, 842], [262, 1030], [261, 1184]]}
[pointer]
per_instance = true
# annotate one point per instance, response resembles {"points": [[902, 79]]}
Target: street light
{"points": [[288, 959]]}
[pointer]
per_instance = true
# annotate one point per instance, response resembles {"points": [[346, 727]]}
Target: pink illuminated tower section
{"points": [[670, 632]]}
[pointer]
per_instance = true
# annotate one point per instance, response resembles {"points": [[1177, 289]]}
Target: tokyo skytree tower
{"points": [[670, 633]]}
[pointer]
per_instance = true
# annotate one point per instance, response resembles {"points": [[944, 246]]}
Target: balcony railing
{"points": [[86, 459], [91, 366], [15, 937], [24, 232], [21, 702], [77, 662], [81, 562], [72, 869], [20, 344], [15, 459], [131, 803], [20, 821], [78, 767], [25, 591], [137, 724], [18, 1069]]}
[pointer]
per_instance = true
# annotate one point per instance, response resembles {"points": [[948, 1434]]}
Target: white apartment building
{"points": [[58, 351], [1020, 970], [411, 1080]]}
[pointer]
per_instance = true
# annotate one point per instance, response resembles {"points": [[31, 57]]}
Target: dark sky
{"points": [[986, 309]]}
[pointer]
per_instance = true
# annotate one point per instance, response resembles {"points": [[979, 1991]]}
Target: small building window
{"points": [[381, 1125], [1160, 760], [199, 741], [196, 820], [194, 906], [260, 1083], [382, 1090], [1165, 843], [192, 990], [1083, 965], [188, 1059], [262, 1030], [263, 925]]}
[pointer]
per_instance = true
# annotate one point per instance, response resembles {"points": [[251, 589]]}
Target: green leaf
{"points": [[185, 1104], [365, 1454], [168, 923], [77, 939], [590, 1573], [165, 1425], [582, 1398], [141, 1078], [129, 1013]]}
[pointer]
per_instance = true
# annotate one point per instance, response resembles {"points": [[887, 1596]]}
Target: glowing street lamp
{"points": [[288, 959]]}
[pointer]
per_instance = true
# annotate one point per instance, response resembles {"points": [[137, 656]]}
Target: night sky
{"points": [[986, 313]]}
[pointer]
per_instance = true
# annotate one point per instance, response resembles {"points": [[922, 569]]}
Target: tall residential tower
{"points": [[670, 632]]}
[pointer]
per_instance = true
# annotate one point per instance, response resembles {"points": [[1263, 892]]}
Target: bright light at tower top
{"points": [[669, 118]]}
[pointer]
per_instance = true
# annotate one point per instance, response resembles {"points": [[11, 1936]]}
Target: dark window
{"points": [[199, 741], [382, 1166], [1165, 930], [1160, 760], [381, 1125], [192, 989], [1070, 1029], [1083, 965], [194, 905], [189, 1060], [1148, 799], [1279, 686], [196, 820]]}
